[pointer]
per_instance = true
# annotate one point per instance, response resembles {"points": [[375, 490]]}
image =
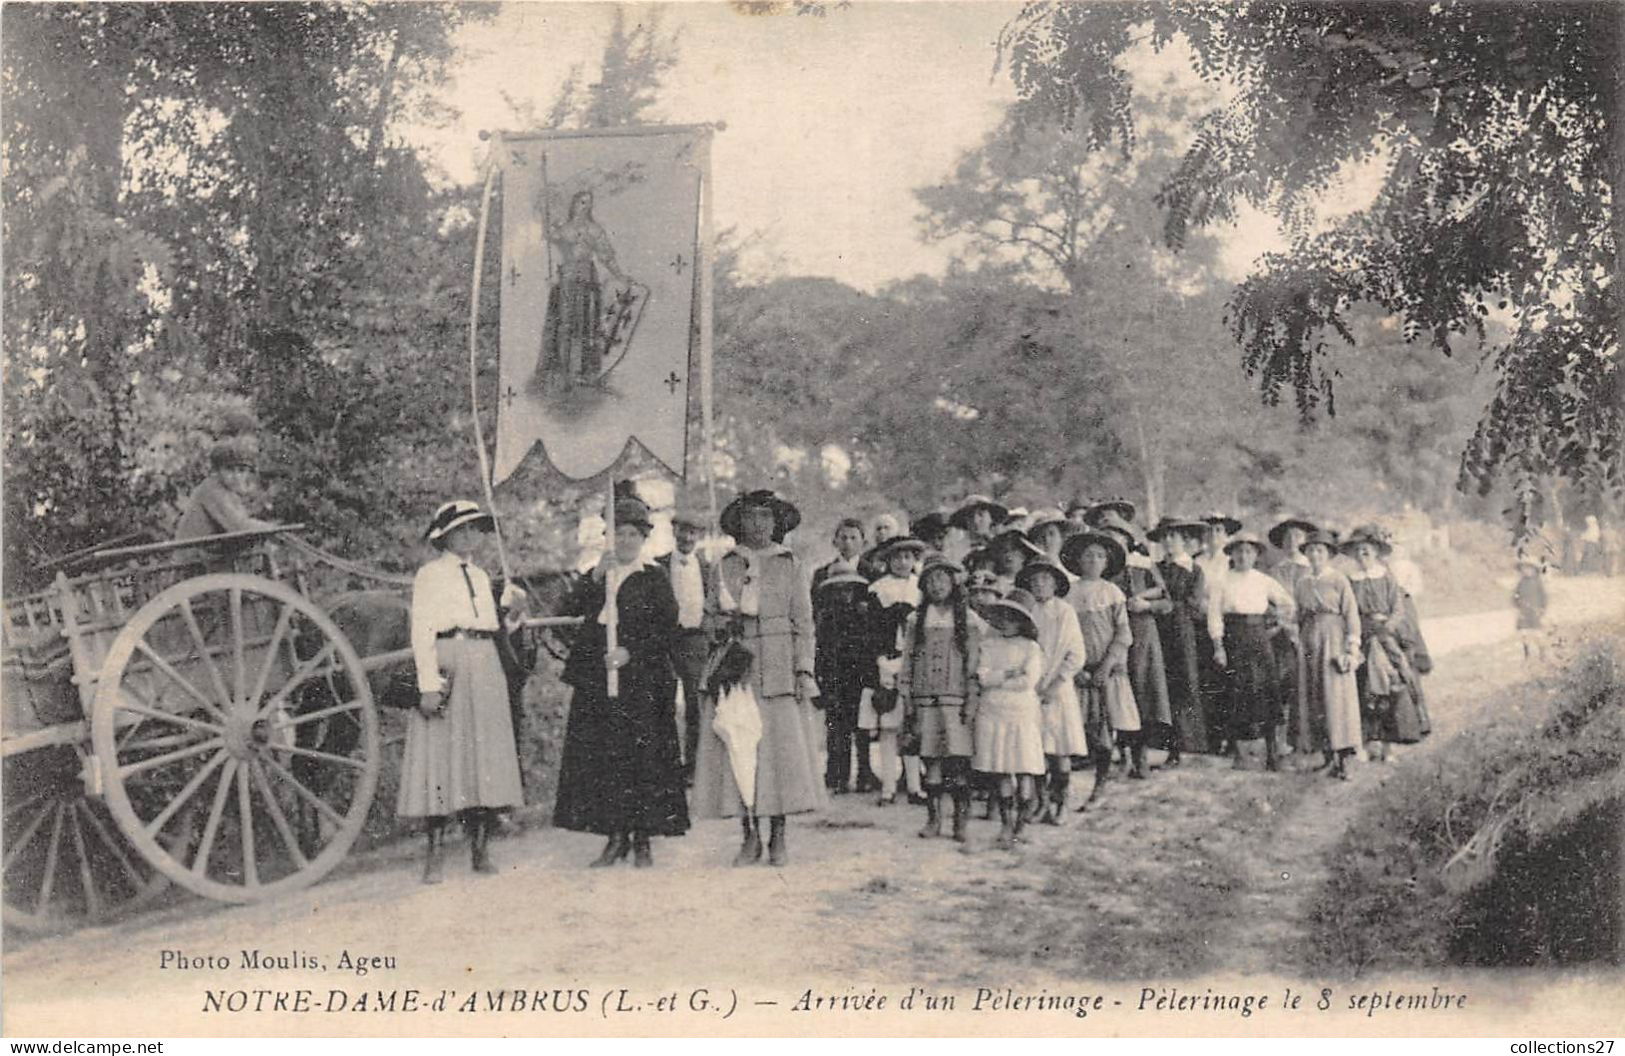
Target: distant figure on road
{"points": [[1529, 598]]}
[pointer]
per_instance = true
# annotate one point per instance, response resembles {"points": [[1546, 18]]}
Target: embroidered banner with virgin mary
{"points": [[600, 238]]}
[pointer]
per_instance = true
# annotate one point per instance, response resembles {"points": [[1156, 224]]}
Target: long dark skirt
{"points": [[1250, 679], [622, 769], [1146, 671], [1183, 672], [1304, 729]]}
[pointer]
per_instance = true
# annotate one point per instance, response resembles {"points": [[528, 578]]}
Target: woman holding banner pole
{"points": [[621, 774]]}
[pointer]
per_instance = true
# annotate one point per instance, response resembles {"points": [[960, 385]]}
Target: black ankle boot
{"points": [[750, 850], [1009, 813], [613, 851], [933, 813], [479, 843], [777, 852], [433, 868], [642, 857]]}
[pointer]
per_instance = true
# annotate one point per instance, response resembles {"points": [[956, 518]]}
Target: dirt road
{"points": [[1202, 869]]}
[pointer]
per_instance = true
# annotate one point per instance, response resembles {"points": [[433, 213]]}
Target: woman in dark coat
{"points": [[1182, 629], [622, 773]]}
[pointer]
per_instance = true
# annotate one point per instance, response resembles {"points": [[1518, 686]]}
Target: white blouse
{"points": [[448, 594], [1249, 593]]}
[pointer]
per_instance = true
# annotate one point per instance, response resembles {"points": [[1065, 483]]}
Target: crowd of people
{"points": [[993, 652], [980, 654]]}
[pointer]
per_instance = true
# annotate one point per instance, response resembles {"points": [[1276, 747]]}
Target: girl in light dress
{"points": [[1009, 744], [1109, 710], [1062, 642]]}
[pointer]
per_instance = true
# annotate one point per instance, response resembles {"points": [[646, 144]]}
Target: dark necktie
{"points": [[472, 600]]}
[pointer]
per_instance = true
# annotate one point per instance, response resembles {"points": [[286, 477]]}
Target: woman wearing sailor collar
{"points": [[762, 593]]}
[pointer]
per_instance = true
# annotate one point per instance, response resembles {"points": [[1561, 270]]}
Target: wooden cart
{"points": [[177, 712]]}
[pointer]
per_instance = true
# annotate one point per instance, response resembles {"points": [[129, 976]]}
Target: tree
{"points": [[1039, 198], [1495, 123], [182, 182]]}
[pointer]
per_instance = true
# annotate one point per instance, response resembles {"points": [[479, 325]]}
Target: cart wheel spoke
{"points": [[301, 674], [165, 716], [304, 793], [313, 716], [15, 808], [245, 811], [283, 621], [15, 847], [279, 819], [181, 680], [312, 753], [93, 898], [115, 846], [239, 674], [200, 863], [156, 825], [171, 757], [51, 856], [203, 653]]}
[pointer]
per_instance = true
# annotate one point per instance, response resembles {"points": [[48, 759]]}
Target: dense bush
{"points": [[1499, 848]]}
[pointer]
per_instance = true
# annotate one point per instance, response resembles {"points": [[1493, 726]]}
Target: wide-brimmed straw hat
{"points": [[962, 515], [1176, 526], [1321, 538], [840, 579], [1063, 582], [1126, 533], [1097, 511], [1072, 551], [1231, 525], [885, 550], [785, 514], [1244, 539], [1277, 535], [935, 561], [455, 514], [1045, 517], [933, 523], [1016, 603], [1368, 533]]}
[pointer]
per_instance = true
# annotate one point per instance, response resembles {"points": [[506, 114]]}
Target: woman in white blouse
{"points": [[1240, 605], [460, 756]]}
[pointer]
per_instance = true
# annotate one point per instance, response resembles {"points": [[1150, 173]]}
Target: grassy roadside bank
{"points": [[1501, 846]]}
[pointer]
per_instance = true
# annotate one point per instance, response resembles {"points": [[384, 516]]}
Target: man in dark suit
{"points": [[840, 597], [693, 584]]}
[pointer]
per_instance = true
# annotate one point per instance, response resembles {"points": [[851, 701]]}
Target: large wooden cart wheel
{"points": [[236, 736], [66, 862]]}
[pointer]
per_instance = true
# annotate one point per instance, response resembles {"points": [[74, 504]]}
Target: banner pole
{"points": [[707, 394], [612, 676], [473, 356]]}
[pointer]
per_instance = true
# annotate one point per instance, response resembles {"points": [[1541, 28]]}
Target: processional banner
{"points": [[600, 246]]}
